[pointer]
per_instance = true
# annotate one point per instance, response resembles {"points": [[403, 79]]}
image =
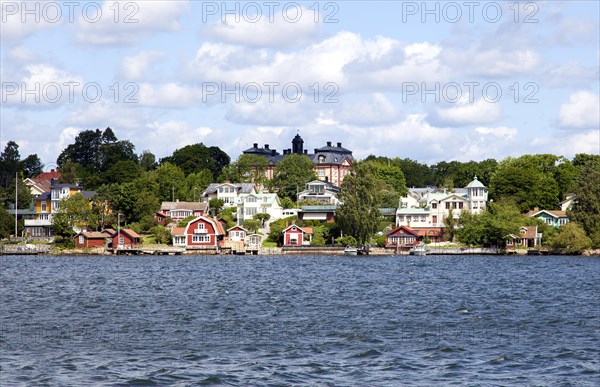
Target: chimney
{"points": [[306, 151], [328, 143], [227, 181], [266, 146], [255, 145], [286, 224], [316, 150], [339, 145], [273, 152], [52, 170], [536, 209], [177, 200]]}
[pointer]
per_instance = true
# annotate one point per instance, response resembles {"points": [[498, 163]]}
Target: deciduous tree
{"points": [[291, 175]]}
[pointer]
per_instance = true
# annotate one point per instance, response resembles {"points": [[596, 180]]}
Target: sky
{"points": [[431, 81]]}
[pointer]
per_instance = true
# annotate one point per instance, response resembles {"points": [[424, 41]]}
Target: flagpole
{"points": [[16, 201]]}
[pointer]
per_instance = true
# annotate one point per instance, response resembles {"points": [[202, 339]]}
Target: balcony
{"points": [[201, 231], [37, 222]]}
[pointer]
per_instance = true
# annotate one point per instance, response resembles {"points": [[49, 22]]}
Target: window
{"points": [[121, 240], [54, 206], [251, 199], [401, 218], [200, 238], [250, 210], [81, 240], [220, 189], [434, 205], [200, 226], [321, 158], [44, 207], [434, 219], [447, 205], [423, 218], [460, 205]]}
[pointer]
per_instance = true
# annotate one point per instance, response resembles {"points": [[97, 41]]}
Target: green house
{"points": [[554, 218]]}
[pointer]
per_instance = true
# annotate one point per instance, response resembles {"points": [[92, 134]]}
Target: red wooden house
{"points": [[403, 236], [126, 239], [293, 235], [90, 240], [203, 232]]}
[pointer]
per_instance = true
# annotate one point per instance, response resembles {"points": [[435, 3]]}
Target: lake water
{"points": [[302, 320]]}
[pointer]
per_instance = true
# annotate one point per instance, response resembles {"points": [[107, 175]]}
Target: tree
{"points": [[161, 234], [286, 202], [32, 166], [184, 222], [146, 205], [196, 157], [450, 224], [7, 224], [147, 161], [571, 238], [122, 171], [252, 225], [171, 182], [246, 169], [216, 205], [24, 198], [262, 218], [318, 238], [196, 183], [493, 226], [10, 161], [359, 214], [528, 180], [73, 212], [291, 175], [586, 209], [69, 173]]}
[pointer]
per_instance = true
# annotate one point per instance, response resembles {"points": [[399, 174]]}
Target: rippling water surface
{"points": [[299, 320]]}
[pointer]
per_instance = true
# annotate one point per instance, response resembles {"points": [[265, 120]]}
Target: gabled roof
{"points": [[413, 211], [305, 230], [240, 187], [219, 230], [330, 208], [48, 175], [400, 230], [238, 227], [178, 231], [530, 232], [130, 232], [109, 231], [552, 213], [93, 234], [192, 206]]}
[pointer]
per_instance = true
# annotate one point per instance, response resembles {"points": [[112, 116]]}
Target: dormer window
{"points": [[321, 158]]}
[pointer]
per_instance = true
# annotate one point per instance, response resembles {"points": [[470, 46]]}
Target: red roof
{"points": [[403, 230], [178, 231], [530, 232], [48, 175], [556, 213], [130, 232], [429, 231], [219, 227]]}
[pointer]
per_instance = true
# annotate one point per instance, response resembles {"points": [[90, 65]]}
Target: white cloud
{"points": [[135, 67], [265, 32], [487, 142], [106, 114], [569, 145], [374, 110], [40, 85], [169, 95], [493, 62], [171, 135], [479, 112], [582, 110], [135, 20], [23, 19]]}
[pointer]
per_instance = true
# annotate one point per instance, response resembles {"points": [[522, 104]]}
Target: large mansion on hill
{"points": [[331, 162]]}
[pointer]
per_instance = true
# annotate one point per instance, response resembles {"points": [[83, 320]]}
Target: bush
{"points": [[571, 238], [161, 234], [346, 240]]}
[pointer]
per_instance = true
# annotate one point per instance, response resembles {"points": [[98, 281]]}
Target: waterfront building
{"points": [[331, 162]]}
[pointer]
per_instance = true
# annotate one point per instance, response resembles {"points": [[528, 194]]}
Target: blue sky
{"points": [[430, 80]]}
